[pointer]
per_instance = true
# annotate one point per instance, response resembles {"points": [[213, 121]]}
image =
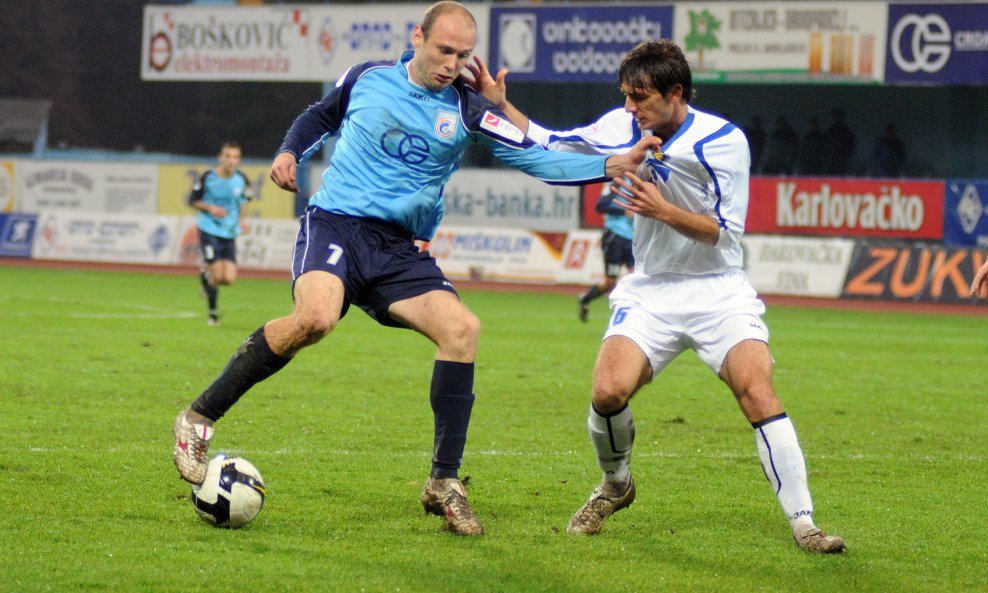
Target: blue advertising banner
{"points": [[16, 234], [572, 43], [965, 219], [937, 44]]}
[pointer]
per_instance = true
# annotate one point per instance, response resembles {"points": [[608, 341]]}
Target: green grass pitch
{"points": [[890, 408]]}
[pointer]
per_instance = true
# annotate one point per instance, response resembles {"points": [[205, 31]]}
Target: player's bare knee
{"points": [[610, 395], [463, 336], [759, 401], [310, 328]]}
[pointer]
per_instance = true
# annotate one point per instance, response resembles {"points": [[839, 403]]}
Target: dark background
{"points": [[84, 55]]}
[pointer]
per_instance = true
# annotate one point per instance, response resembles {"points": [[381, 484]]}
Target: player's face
{"points": [[652, 111], [441, 56], [229, 160]]}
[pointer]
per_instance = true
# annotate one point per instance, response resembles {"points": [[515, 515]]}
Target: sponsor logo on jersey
{"points": [[446, 124], [501, 127]]}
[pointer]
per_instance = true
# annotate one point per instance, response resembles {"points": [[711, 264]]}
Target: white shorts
{"points": [[665, 315]]}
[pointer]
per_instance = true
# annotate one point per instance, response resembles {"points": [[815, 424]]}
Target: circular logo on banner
{"points": [[516, 43], [160, 51], [927, 40]]}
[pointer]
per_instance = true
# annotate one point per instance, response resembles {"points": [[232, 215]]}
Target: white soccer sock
{"points": [[613, 436], [783, 464]]}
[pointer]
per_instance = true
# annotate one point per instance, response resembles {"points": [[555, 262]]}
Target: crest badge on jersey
{"points": [[446, 124], [501, 127]]}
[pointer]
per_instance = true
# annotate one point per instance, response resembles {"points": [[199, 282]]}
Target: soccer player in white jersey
{"points": [[688, 290]]}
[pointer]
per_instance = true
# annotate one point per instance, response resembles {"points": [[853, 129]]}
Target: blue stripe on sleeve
{"points": [[698, 150]]}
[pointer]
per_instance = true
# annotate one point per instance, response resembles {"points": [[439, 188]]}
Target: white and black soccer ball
{"points": [[232, 493]]}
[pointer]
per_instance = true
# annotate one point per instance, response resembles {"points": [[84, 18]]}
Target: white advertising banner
{"points": [[797, 266], [302, 42], [347, 34], [583, 259], [784, 41], [267, 244], [121, 188], [116, 238], [493, 255], [235, 43], [509, 199]]}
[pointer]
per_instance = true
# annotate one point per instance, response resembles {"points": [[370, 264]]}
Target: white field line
{"points": [[864, 457]]}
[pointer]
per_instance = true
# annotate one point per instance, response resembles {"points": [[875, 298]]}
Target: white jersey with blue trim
{"points": [[703, 169], [399, 144]]}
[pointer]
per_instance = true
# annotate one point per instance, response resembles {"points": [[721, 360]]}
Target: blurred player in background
{"points": [[220, 196], [403, 126], [979, 287], [619, 227], [688, 290]]}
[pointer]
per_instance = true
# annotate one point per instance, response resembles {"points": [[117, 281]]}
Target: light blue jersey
{"points": [[400, 143], [227, 192], [616, 218]]}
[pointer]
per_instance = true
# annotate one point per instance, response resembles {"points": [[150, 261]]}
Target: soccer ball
{"points": [[232, 493]]}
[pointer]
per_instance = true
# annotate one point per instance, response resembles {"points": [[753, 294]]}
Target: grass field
{"points": [[890, 408]]}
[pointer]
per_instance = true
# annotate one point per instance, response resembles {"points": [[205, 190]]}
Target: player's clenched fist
{"points": [[283, 171]]}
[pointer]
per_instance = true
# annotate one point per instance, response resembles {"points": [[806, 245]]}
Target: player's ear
{"points": [[675, 93], [418, 37]]}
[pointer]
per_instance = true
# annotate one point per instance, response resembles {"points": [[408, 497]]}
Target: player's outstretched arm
{"points": [[495, 90], [283, 171], [979, 288], [622, 165]]}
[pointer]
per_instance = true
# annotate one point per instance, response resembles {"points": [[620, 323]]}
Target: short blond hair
{"points": [[439, 9]]}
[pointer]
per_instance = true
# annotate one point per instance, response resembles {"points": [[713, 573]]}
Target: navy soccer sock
{"points": [[212, 292], [452, 401], [591, 294], [252, 363]]}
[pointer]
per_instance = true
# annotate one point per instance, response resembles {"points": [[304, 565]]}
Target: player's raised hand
{"points": [[979, 287], [622, 165], [283, 171], [639, 196], [494, 90]]}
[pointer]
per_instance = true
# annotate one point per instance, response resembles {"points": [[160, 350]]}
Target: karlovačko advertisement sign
{"points": [[846, 207], [573, 43], [937, 44]]}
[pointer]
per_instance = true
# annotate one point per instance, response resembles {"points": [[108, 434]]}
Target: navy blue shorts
{"points": [[377, 261], [215, 248], [617, 253]]}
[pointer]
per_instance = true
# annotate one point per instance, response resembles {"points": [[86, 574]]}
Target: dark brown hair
{"points": [[658, 64]]}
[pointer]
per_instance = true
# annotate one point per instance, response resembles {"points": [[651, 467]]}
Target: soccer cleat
{"points": [[447, 498], [191, 446], [584, 311], [812, 539], [591, 516], [212, 321]]}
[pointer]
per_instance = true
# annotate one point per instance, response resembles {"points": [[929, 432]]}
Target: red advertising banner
{"points": [[591, 219], [846, 207]]}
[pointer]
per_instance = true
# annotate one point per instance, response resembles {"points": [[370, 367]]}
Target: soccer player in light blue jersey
{"points": [[220, 195], [403, 126], [688, 290]]}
